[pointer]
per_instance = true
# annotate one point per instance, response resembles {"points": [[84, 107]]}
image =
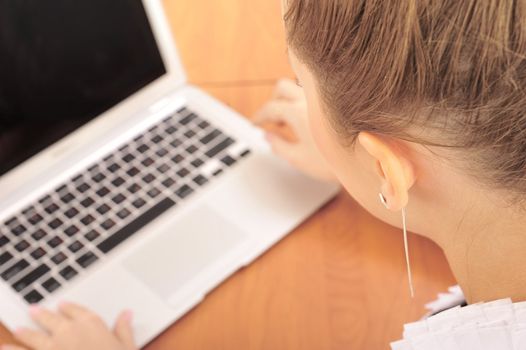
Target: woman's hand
{"points": [[75, 328], [288, 108]]}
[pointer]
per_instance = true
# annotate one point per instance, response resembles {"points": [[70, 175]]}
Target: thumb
{"points": [[123, 330]]}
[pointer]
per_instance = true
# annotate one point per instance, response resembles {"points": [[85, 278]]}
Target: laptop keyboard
{"points": [[51, 241]]}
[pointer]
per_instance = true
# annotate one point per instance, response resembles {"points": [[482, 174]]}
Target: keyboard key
{"points": [[38, 253], [3, 240], [245, 153], [50, 209], [168, 183], [31, 277], [71, 213], [171, 130], [88, 219], [219, 147], [35, 219], [103, 192], [184, 191], [67, 197], [98, 177], [177, 158], [59, 258], [157, 139], [183, 172], [33, 297], [44, 199], [129, 230], [87, 259], [93, 168], [176, 143], [83, 187], [148, 178], [133, 171], [55, 223], [108, 224], [128, 158], [68, 272], [218, 172], [154, 192], [5, 257], [204, 124], [87, 202], [139, 203], [192, 149], [15, 269], [123, 213], [163, 168], [210, 137], [114, 167], [200, 180], [51, 285], [187, 119], [118, 199], [143, 148], [103, 209], [118, 181], [39, 234], [228, 161], [108, 158], [161, 152], [92, 235], [147, 161], [75, 246], [12, 222], [18, 230], [134, 188], [71, 231], [55, 242], [189, 134], [21, 246]]}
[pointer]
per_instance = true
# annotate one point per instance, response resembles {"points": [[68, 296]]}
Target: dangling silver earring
{"points": [[406, 245]]}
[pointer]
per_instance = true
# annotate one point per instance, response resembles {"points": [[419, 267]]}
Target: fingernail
{"points": [[128, 315], [19, 330], [34, 309]]}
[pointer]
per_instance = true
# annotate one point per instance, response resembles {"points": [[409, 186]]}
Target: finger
{"points": [[288, 90], [33, 339], [123, 329], [282, 148], [278, 112], [11, 347], [48, 320], [75, 312]]}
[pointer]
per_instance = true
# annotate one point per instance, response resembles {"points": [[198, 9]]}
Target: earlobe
{"points": [[393, 167]]}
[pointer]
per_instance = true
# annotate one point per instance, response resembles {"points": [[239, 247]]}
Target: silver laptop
{"points": [[138, 191]]}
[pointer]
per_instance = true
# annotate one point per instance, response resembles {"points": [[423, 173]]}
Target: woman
{"points": [[420, 101]]}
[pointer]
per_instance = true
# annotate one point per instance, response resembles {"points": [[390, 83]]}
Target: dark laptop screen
{"points": [[64, 62]]}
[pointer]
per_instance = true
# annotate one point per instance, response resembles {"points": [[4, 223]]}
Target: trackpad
{"points": [[176, 256]]}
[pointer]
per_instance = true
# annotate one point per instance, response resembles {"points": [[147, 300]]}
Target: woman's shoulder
{"points": [[499, 324]]}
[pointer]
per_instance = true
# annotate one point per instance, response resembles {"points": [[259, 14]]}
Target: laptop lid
{"points": [[72, 68]]}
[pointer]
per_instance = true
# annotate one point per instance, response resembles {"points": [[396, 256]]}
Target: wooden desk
{"points": [[339, 280]]}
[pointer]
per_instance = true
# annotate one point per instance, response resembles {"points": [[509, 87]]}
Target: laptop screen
{"points": [[64, 62]]}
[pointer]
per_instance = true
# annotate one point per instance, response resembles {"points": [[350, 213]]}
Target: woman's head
{"points": [[434, 91]]}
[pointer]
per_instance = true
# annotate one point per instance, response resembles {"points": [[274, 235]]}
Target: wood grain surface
{"points": [[338, 281]]}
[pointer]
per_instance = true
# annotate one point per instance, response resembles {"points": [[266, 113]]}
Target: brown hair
{"points": [[455, 69]]}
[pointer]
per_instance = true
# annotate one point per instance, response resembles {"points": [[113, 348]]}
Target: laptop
{"points": [[130, 188]]}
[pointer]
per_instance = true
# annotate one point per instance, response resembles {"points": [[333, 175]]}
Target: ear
{"points": [[394, 168]]}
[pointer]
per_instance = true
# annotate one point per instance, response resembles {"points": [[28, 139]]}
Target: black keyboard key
{"points": [[200, 180], [98, 177], [51, 285], [129, 230], [245, 153], [50, 209], [228, 161], [21, 246], [143, 148], [39, 234], [15, 269], [147, 161], [191, 149], [35, 218], [177, 158], [114, 167], [133, 171], [92, 235], [134, 188], [55, 223], [87, 202], [214, 151], [59, 258], [55, 242], [108, 159], [163, 168], [31, 277], [186, 120], [68, 273], [83, 187], [183, 172], [75, 246], [157, 139], [189, 134], [71, 213], [184, 191], [139, 203], [171, 130], [3, 240], [161, 152], [12, 222], [33, 297], [218, 172], [103, 192], [128, 158], [108, 224], [38, 253], [93, 168], [5, 257], [17, 231], [183, 111], [87, 259], [168, 183], [210, 137], [176, 143], [88, 219], [154, 192], [44, 199], [118, 199], [103, 209], [71, 231], [67, 197], [204, 124], [148, 178], [123, 213], [118, 181]]}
